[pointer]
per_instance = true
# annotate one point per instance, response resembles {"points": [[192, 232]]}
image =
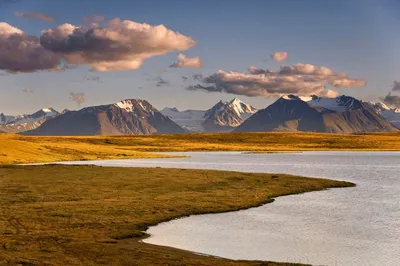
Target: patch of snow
{"points": [[126, 104]]}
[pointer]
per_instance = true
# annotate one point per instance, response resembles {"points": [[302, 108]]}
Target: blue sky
{"points": [[358, 37]]}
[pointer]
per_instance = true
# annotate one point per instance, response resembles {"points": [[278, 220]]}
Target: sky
{"points": [[51, 66]]}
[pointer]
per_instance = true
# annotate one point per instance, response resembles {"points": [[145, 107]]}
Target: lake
{"points": [[345, 226]]}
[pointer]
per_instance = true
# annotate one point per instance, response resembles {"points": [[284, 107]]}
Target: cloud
{"points": [[279, 56], [298, 79], [93, 78], [27, 90], [161, 82], [393, 100], [348, 83], [119, 45], [79, 97], [396, 86], [35, 15], [21, 53], [184, 61], [198, 77]]}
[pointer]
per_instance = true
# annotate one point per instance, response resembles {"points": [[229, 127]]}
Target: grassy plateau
{"points": [[20, 149], [88, 215]]}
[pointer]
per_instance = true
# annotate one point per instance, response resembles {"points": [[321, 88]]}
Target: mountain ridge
{"points": [[126, 117], [223, 116], [343, 114]]}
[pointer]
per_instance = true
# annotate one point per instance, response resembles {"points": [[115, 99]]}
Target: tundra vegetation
{"points": [[89, 215], [20, 149]]}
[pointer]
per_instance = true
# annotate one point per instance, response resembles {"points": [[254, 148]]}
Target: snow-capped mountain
{"points": [[339, 104], [127, 117], [224, 116], [390, 114], [4, 119], [20, 123], [343, 114]]}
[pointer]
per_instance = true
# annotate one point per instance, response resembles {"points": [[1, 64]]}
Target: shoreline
{"points": [[208, 187]]}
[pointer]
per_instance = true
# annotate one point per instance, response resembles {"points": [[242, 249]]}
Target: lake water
{"points": [[346, 226]]}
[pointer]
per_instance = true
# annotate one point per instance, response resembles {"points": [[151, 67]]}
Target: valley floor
{"points": [[87, 215], [21, 149]]}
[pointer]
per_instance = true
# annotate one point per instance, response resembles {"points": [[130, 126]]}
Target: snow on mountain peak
{"points": [[125, 104], [240, 107], [381, 106]]}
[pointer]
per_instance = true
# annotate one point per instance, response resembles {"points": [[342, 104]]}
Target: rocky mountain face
{"points": [[123, 118], [224, 116], [314, 114], [391, 114], [20, 123]]}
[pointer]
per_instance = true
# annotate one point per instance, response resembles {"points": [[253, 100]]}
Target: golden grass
{"points": [[87, 215], [19, 149]]}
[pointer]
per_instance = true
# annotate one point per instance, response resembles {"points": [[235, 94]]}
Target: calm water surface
{"points": [[349, 226]]}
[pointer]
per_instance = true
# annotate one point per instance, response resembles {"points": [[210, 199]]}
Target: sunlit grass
{"points": [[86, 215], [19, 149]]}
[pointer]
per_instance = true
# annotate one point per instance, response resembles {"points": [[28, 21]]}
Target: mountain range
{"points": [[223, 116], [127, 117], [21, 123], [342, 114]]}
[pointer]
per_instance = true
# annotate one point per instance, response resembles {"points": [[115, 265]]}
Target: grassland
{"points": [[87, 215], [19, 149]]}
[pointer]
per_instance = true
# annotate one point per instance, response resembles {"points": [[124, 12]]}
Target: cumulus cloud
{"points": [[35, 15], [27, 90], [396, 86], [279, 56], [119, 45], [184, 61], [21, 53], [79, 97], [392, 100], [298, 79]]}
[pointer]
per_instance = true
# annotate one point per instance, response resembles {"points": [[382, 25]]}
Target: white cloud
{"points": [[298, 79], [120, 45], [184, 61], [279, 56]]}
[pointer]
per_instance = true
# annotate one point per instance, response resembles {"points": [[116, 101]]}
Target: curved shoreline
{"points": [[268, 201], [165, 195]]}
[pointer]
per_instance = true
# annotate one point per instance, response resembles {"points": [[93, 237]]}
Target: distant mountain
{"points": [[192, 120], [391, 114], [224, 116], [343, 114], [20, 123], [127, 117]]}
